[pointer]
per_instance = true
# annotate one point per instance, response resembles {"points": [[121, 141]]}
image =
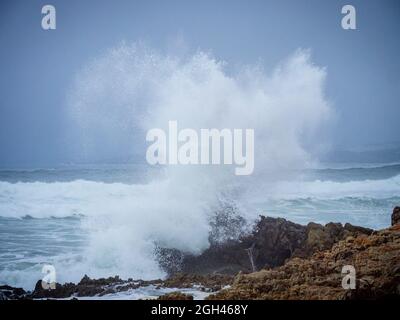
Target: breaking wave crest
{"points": [[120, 95]]}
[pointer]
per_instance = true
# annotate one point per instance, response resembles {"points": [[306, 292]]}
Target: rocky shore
{"points": [[279, 259]]}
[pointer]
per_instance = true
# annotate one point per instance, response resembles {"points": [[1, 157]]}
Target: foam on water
{"points": [[120, 95], [104, 229]]}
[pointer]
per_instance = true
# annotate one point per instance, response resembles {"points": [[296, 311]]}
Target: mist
{"points": [[39, 67]]}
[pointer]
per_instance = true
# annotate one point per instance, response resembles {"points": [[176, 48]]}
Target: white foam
{"points": [[119, 96], [384, 188]]}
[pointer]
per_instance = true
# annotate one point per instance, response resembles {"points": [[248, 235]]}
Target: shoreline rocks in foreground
{"points": [[278, 260], [272, 242], [88, 287], [375, 257], [376, 260]]}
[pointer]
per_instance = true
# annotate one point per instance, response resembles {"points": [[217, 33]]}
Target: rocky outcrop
{"points": [[88, 287], [396, 216], [176, 295], [375, 257], [212, 282], [272, 242], [279, 259], [321, 237], [11, 293]]}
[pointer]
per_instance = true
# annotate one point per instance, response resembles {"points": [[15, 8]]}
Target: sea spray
{"points": [[123, 93], [55, 231]]}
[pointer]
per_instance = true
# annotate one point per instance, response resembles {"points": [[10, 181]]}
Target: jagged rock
{"points": [[176, 295], [272, 242], [396, 216], [298, 262], [103, 286], [11, 293], [86, 281], [375, 258], [60, 291], [212, 282], [86, 287], [357, 230], [321, 237]]}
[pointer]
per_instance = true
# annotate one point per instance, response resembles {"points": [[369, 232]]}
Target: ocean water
{"points": [[108, 220], [111, 220]]}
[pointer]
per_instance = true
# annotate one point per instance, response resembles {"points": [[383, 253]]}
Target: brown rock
{"points": [[270, 244], [375, 258], [272, 241], [213, 282], [176, 295]]}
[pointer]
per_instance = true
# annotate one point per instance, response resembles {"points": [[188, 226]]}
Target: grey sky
{"points": [[37, 67]]}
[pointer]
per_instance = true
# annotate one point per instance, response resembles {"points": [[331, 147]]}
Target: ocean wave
{"points": [[88, 198], [121, 223], [384, 188], [356, 173], [130, 90]]}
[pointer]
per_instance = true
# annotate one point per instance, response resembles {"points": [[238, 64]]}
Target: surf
{"points": [[121, 94]]}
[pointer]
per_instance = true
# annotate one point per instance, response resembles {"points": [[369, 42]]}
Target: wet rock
{"points": [[357, 230], [60, 291], [270, 244], [375, 258], [11, 293], [272, 241], [176, 295], [296, 262], [86, 281], [319, 237], [86, 287], [212, 282], [91, 287]]}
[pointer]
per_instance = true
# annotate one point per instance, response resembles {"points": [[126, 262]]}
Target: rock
{"points": [[176, 295], [86, 281], [357, 230], [86, 287], [375, 258], [212, 282], [270, 244], [60, 291], [11, 293], [321, 237], [396, 216], [272, 241], [295, 262]]}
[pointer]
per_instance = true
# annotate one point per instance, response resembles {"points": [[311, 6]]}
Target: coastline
{"points": [[279, 259]]}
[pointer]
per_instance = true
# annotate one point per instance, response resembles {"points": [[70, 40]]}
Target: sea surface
{"points": [[107, 220]]}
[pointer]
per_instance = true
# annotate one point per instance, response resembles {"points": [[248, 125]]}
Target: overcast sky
{"points": [[37, 67]]}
